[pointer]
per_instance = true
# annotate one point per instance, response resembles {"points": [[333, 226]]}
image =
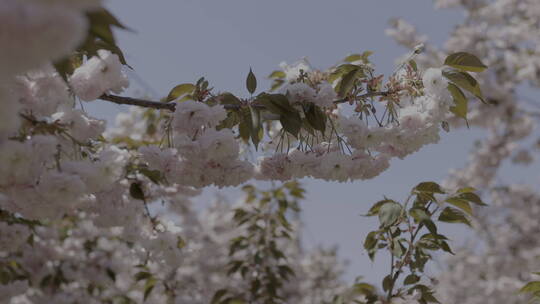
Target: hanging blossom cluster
{"points": [[100, 74], [369, 148], [503, 32], [202, 140], [202, 155], [357, 151]]}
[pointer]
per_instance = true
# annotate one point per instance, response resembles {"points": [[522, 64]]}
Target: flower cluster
{"points": [[100, 75], [418, 125], [201, 155], [73, 259]]}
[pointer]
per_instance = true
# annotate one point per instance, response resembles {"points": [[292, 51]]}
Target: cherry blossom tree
{"points": [[103, 215]]}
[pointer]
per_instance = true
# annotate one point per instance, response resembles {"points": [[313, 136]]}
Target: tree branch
{"points": [[171, 106], [139, 102]]}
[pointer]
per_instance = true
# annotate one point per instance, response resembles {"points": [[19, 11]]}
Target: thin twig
{"points": [[366, 95]]}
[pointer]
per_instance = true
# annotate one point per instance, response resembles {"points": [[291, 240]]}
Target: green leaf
{"points": [[419, 214], [315, 117], [67, 65], [271, 105], [251, 82], [472, 197], [291, 122], [180, 91], [228, 99], [387, 282], [413, 65], [142, 275], [466, 190], [364, 288], [389, 213], [428, 297], [246, 124], [244, 128], [234, 266], [180, 242], [100, 34], [371, 240], [153, 175], [531, 287], [103, 16], [465, 81], [460, 101], [256, 126], [111, 274], [148, 287], [230, 121], [30, 240], [348, 81], [446, 247], [276, 84], [411, 279], [452, 215], [353, 57], [365, 56], [430, 226], [338, 300], [307, 127], [397, 248], [286, 272], [430, 187], [113, 48], [100, 25], [275, 103], [374, 210], [218, 295], [202, 83], [435, 236], [136, 191], [340, 71], [277, 74], [356, 57], [465, 62], [461, 204], [279, 104], [422, 288]]}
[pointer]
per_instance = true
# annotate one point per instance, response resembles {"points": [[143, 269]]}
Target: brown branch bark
{"points": [[171, 106], [139, 102]]}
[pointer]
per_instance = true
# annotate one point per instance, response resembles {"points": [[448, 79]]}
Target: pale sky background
{"points": [[177, 41]]}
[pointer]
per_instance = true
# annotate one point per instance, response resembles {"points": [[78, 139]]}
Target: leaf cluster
{"points": [[409, 233], [532, 288], [257, 253], [457, 72], [102, 24]]}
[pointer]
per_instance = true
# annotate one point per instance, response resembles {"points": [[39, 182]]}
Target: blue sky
{"points": [[177, 41]]}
